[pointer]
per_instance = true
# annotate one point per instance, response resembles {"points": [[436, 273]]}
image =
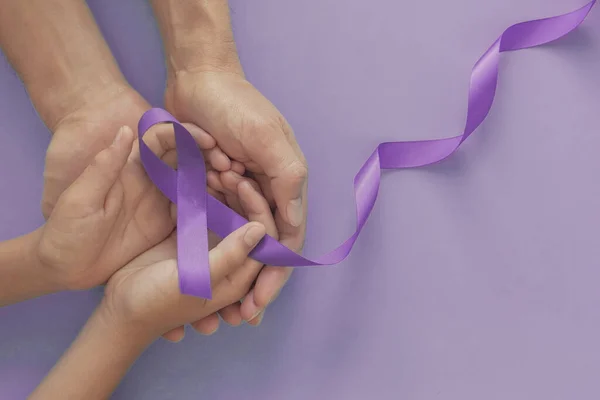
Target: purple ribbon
{"points": [[198, 211]]}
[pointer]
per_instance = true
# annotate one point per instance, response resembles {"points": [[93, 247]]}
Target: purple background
{"points": [[474, 279]]}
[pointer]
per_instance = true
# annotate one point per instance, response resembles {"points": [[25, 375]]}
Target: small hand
{"points": [[145, 293], [110, 214], [249, 129], [144, 217]]}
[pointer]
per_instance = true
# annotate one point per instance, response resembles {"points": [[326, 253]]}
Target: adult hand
{"points": [[249, 129]]}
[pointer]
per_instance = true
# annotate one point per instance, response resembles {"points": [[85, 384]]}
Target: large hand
{"points": [[249, 129]]}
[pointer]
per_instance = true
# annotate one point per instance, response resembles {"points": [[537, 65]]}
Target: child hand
{"points": [[112, 212], [144, 295]]}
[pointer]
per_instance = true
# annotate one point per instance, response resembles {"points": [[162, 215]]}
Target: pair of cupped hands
{"points": [[108, 224]]}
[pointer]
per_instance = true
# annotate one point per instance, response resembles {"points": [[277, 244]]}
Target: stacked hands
{"points": [[113, 226], [107, 224]]}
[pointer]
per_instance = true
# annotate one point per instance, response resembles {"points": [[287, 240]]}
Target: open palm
{"points": [[145, 216]]}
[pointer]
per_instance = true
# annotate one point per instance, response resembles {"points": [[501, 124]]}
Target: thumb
{"points": [[95, 182], [288, 174], [233, 251]]}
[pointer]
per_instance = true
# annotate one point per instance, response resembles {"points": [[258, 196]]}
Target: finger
{"points": [[234, 203], [161, 137], [231, 314], [175, 335], [264, 182], [161, 140], [204, 140], [268, 285], [213, 181], [207, 325], [231, 253], [257, 209], [217, 159], [257, 320], [255, 206], [94, 184], [238, 167], [284, 164], [271, 279], [230, 181]]}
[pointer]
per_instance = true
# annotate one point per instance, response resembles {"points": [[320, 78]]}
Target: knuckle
{"points": [[47, 207], [262, 128], [101, 159], [297, 171], [223, 256]]}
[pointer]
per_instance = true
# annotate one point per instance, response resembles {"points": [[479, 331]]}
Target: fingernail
{"points": [[295, 212], [253, 235], [119, 135], [256, 314], [260, 318]]}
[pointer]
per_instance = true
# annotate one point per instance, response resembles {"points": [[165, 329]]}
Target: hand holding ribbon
{"points": [[197, 211]]}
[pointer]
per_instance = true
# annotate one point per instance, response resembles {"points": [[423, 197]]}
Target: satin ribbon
{"points": [[198, 211]]}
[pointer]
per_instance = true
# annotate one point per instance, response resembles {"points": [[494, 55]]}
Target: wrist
{"points": [[197, 36], [127, 330], [95, 362], [50, 279], [64, 60], [23, 276], [122, 333], [56, 101]]}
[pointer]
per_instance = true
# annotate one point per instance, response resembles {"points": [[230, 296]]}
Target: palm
{"points": [[144, 218], [79, 137], [147, 288]]}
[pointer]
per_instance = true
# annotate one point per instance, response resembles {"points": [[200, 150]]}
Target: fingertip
{"points": [[231, 314], [124, 138], [218, 159], [238, 167], [213, 181], [204, 140], [270, 284], [245, 189], [249, 309], [254, 233], [230, 180], [252, 202], [256, 321], [207, 325], [175, 335], [249, 188]]}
